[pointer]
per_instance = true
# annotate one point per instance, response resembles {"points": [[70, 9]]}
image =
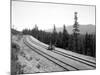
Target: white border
{"points": [[5, 37]]}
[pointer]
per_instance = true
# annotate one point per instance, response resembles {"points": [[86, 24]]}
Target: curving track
{"points": [[59, 62], [87, 62]]}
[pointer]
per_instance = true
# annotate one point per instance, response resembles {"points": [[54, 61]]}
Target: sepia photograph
{"points": [[52, 37]]}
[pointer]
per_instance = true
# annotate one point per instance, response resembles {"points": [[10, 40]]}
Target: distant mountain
{"points": [[83, 29]]}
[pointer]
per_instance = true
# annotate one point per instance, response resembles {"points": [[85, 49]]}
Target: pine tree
{"points": [[76, 33], [36, 27], [65, 37], [90, 44], [54, 36], [59, 40], [70, 42], [35, 31]]}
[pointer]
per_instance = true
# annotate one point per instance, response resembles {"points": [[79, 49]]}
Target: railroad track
{"points": [[88, 63], [60, 63], [74, 58]]}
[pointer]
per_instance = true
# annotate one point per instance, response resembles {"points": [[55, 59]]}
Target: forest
{"points": [[82, 43]]}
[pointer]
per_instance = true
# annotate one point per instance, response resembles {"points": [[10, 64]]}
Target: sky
{"points": [[45, 15]]}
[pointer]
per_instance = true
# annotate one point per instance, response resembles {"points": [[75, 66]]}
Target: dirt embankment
{"points": [[25, 60], [16, 67]]}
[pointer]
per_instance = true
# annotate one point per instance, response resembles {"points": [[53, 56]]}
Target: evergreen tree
{"points": [[90, 44], [75, 33], [59, 40], [54, 36], [65, 37], [70, 45], [35, 31]]}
